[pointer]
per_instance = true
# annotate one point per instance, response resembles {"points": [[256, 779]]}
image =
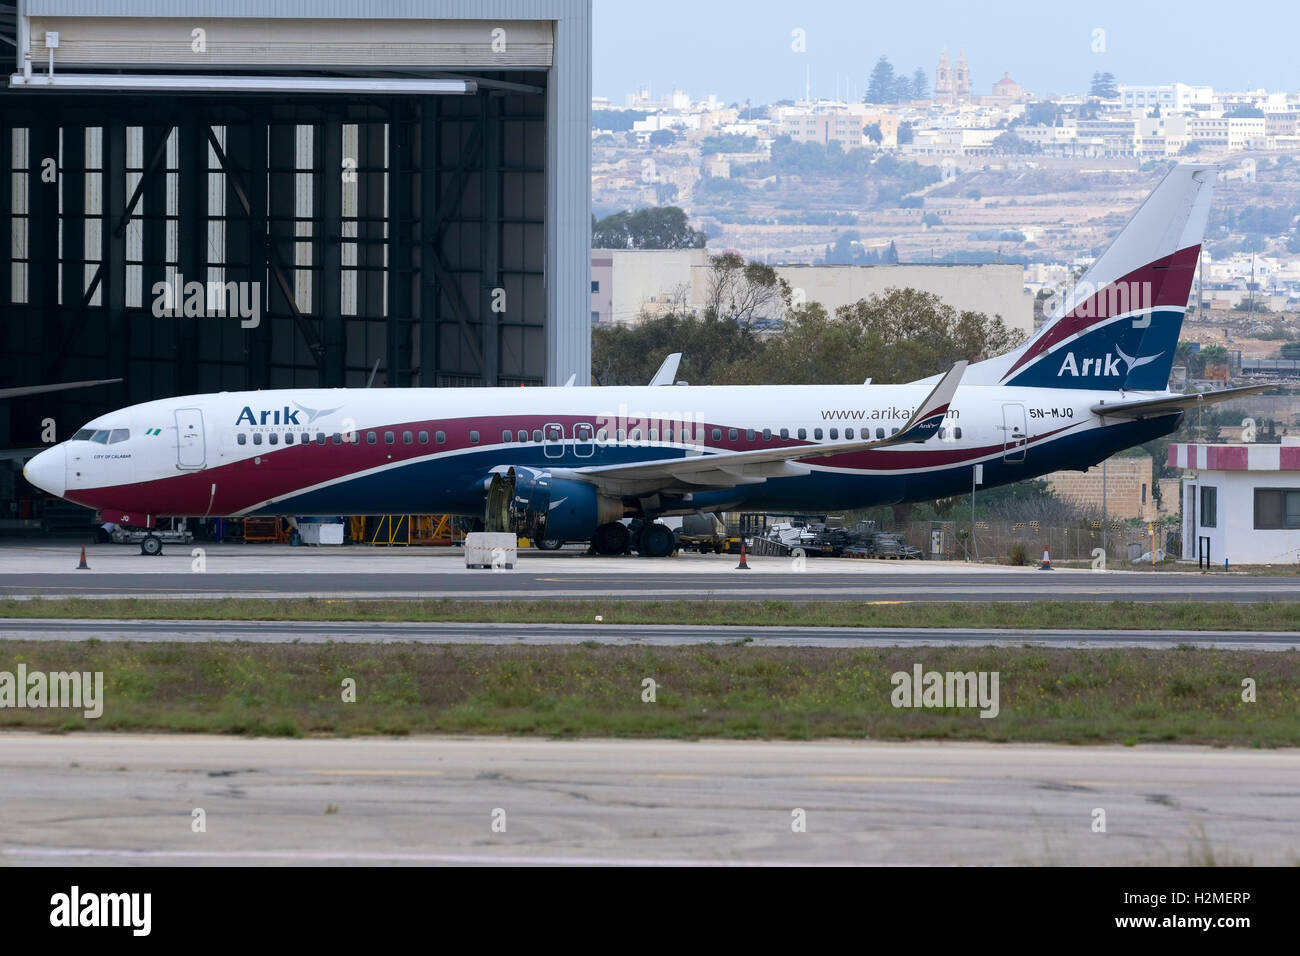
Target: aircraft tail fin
{"points": [[1118, 326]]}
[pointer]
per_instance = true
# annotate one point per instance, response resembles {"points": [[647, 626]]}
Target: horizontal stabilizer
{"points": [[41, 389], [1155, 407]]}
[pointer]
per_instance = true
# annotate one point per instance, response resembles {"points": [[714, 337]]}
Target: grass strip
{"points": [[1036, 615], [1131, 696]]}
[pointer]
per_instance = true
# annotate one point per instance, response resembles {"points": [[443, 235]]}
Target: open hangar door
{"points": [[410, 191]]}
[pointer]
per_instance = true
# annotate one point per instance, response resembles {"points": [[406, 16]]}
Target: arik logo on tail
{"points": [[1105, 366]]}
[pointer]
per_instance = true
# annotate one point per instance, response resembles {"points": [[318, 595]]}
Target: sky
{"points": [[742, 49]]}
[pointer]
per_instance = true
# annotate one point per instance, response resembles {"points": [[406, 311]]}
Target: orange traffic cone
{"points": [[83, 566], [743, 565], [1047, 561]]}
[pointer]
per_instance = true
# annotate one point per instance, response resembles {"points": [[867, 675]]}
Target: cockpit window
{"points": [[119, 434], [83, 435], [101, 436]]}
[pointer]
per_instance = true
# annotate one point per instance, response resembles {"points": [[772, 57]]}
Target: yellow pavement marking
{"points": [[379, 773], [875, 778]]}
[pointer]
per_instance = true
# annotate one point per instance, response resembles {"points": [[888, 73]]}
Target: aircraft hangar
{"points": [[206, 195]]}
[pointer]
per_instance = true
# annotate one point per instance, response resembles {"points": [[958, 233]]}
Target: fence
{"points": [[996, 540]]}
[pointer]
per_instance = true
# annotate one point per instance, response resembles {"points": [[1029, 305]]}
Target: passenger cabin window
{"points": [[803, 434], [119, 434], [835, 433], [956, 432], [749, 434], [473, 438], [848, 433], [241, 438], [273, 438], [817, 434], [407, 438], [785, 434], [440, 437], [337, 438], [257, 438], [288, 438], [424, 438], [717, 434], [371, 438], [732, 434], [537, 434], [389, 438], [880, 433]]}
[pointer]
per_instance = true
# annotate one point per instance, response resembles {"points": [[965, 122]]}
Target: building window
{"points": [[1277, 508], [1209, 507], [595, 285]]}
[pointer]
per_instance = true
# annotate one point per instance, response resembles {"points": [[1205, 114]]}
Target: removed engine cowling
{"points": [[532, 502]]}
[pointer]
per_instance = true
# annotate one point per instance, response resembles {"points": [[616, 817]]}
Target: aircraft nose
{"points": [[49, 470]]}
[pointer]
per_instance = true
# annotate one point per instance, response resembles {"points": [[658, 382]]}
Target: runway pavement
{"points": [[308, 632], [127, 799], [268, 571]]}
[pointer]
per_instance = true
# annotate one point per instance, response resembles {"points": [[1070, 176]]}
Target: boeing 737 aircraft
{"points": [[568, 463]]}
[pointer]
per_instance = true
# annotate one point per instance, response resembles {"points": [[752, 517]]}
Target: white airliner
{"points": [[568, 463]]}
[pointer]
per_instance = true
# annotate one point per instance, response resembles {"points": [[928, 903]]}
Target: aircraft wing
{"points": [[39, 389], [728, 469], [1155, 407]]}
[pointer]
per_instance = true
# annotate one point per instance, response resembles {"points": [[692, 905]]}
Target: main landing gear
{"points": [[611, 538], [652, 540], [151, 545]]}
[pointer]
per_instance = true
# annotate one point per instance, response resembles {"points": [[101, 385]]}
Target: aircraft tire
{"points": [[151, 545], [610, 539], [656, 541]]}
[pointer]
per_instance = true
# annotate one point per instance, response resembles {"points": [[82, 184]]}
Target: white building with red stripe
{"points": [[1240, 502]]}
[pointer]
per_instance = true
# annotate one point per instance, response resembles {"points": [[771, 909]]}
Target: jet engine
{"points": [[534, 503]]}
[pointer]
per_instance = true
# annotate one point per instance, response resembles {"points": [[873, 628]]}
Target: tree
{"points": [[1009, 142], [663, 137], [873, 133], [920, 84], [657, 227], [904, 134], [630, 354], [743, 291], [1103, 86], [881, 87]]}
